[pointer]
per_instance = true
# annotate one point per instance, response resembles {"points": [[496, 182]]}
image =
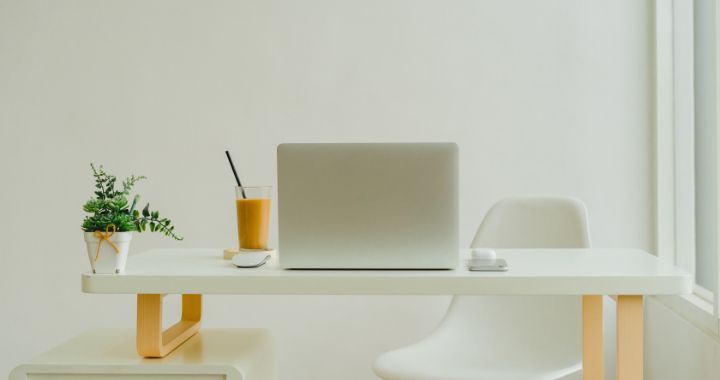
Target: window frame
{"points": [[675, 155]]}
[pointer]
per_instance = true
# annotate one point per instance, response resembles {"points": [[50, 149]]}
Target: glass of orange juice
{"points": [[253, 216]]}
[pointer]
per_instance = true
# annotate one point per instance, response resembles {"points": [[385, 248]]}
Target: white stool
{"points": [[227, 354]]}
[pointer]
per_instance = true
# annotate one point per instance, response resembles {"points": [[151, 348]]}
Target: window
{"points": [[706, 191], [687, 191]]}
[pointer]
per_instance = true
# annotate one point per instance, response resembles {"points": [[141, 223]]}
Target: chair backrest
{"points": [[542, 330], [525, 222]]}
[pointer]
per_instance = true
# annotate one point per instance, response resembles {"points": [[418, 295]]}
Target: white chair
{"points": [[503, 338]]}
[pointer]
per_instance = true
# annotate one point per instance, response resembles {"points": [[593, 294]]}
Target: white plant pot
{"points": [[108, 260]]}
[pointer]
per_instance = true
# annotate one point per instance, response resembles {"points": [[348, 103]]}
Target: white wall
{"points": [[675, 349], [544, 97]]}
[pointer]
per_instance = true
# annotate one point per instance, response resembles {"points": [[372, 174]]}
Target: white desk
{"points": [[629, 274]]}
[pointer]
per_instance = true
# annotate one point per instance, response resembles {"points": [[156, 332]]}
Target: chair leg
{"points": [[152, 341]]}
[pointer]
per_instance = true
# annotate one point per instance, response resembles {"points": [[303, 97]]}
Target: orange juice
{"points": [[253, 219]]}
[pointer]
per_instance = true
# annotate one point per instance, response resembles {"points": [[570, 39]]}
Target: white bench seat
{"points": [[110, 354]]}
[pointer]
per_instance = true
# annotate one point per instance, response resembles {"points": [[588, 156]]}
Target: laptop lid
{"points": [[388, 205]]}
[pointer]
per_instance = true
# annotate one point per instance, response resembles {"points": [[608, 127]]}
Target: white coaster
{"points": [[228, 253]]}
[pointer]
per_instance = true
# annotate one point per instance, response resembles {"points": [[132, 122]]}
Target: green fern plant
{"points": [[110, 207]]}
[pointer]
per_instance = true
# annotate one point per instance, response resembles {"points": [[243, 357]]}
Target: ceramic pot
{"points": [[107, 259]]}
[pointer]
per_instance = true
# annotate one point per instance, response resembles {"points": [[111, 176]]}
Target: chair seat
{"points": [[425, 362]]}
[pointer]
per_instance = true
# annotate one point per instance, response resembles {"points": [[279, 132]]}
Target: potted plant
{"points": [[112, 220]]}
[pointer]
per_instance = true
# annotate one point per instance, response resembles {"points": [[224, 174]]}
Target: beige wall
{"points": [[544, 97]]}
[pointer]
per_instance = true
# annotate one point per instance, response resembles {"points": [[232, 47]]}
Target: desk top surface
{"points": [[532, 272]]}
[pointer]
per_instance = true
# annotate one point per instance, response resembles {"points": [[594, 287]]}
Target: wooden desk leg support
{"points": [[152, 341], [629, 337], [592, 336]]}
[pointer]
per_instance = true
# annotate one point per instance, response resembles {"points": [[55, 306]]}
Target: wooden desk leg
{"points": [[152, 341], [592, 354], [629, 337]]}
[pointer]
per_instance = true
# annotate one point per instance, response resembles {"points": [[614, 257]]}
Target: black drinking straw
{"points": [[237, 179]]}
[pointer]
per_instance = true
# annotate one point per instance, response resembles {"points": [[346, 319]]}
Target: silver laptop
{"points": [[368, 206]]}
